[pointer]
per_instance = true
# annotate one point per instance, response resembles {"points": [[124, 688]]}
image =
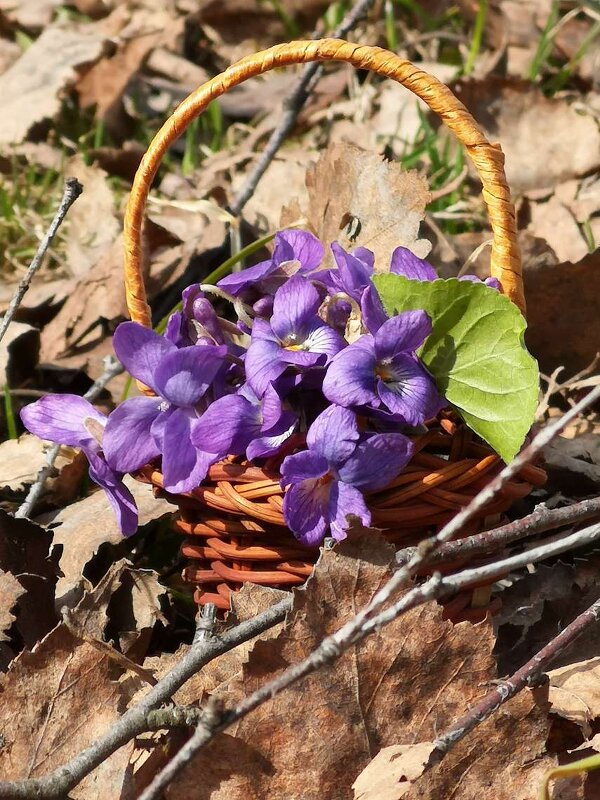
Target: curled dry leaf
{"points": [[573, 465], [85, 526], [18, 353], [31, 95], [574, 692], [390, 774], [10, 591], [104, 84], [559, 294], [25, 552], [376, 203], [552, 220], [402, 684]]}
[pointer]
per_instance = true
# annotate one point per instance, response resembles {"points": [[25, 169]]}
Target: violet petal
{"points": [[306, 511], [118, 494], [403, 333], [303, 466], [334, 434], [376, 461], [128, 443], [294, 307], [140, 350], [227, 426], [344, 500], [406, 263], [184, 467], [183, 376], [60, 418], [350, 378], [410, 391]]}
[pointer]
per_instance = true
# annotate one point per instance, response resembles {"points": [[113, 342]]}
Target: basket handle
{"points": [[487, 158]]}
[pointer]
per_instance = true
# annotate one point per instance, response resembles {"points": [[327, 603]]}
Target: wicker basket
{"points": [[234, 522]]}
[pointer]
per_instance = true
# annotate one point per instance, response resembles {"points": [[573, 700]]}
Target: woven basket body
{"points": [[235, 532], [233, 523]]}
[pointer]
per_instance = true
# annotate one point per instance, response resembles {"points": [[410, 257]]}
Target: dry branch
{"points": [[71, 192], [292, 107]]}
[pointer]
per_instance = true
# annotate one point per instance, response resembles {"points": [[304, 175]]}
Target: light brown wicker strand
{"points": [[487, 158]]}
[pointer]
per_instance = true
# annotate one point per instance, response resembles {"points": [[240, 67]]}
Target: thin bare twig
{"points": [[480, 544], [134, 722], [292, 107], [450, 584], [529, 674], [113, 369], [71, 192]]}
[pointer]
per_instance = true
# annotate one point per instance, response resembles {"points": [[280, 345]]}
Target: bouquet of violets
{"points": [[315, 376]]}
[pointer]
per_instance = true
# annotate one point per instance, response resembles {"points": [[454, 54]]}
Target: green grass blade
{"points": [[11, 425], [477, 37]]}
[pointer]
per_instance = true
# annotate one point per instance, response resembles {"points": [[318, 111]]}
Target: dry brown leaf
{"points": [[563, 313], [18, 353], [536, 133], [573, 465], [78, 334], [31, 95], [136, 606], [85, 526], [575, 692], [288, 169], [403, 683], [376, 201], [56, 700], [103, 85], [20, 461], [504, 758], [553, 222], [33, 15], [10, 591], [390, 774], [93, 223], [25, 552], [9, 53]]}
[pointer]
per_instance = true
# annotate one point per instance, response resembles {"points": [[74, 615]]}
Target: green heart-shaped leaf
{"points": [[476, 353]]}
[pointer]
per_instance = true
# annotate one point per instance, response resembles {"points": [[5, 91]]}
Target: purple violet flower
{"points": [[71, 420], [142, 428], [406, 263], [196, 323], [295, 251], [243, 423], [295, 336], [325, 483], [353, 273], [382, 370]]}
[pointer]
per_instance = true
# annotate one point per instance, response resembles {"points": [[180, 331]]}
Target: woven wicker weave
{"points": [[234, 521]]}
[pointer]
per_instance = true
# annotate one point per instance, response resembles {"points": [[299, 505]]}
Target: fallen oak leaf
{"points": [[314, 739], [25, 553], [482, 763], [376, 204], [54, 700]]}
